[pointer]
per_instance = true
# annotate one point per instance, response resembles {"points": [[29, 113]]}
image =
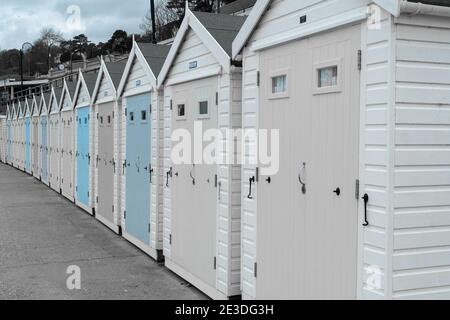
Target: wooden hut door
{"points": [[105, 161], [138, 167], [83, 156], [44, 149], [307, 221], [194, 191]]}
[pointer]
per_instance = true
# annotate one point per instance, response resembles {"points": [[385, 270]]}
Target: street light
{"points": [[22, 51]]}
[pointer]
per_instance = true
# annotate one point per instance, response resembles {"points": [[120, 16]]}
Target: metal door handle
{"points": [[366, 202], [251, 181], [192, 177], [168, 174], [300, 179], [337, 191]]}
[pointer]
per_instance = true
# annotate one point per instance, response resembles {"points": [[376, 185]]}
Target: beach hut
{"points": [[9, 135], [3, 129], [44, 104], [359, 93], [35, 169], [202, 89], [106, 132], [21, 134], [14, 131], [54, 139], [84, 196], [27, 134], [139, 145], [67, 139]]}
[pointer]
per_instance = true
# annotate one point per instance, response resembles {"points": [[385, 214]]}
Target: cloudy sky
{"points": [[21, 21]]}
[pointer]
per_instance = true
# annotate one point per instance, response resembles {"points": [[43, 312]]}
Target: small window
{"points": [[279, 84], [131, 116], [101, 120], [328, 77], [144, 115], [85, 120], [109, 119], [203, 108], [181, 110]]}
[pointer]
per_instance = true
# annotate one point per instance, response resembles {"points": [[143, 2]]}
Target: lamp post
{"points": [[22, 52]]}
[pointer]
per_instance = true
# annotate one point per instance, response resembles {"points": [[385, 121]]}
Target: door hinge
{"points": [[215, 263], [149, 228], [170, 239], [171, 104], [258, 78], [124, 214], [112, 208], [255, 270], [216, 180], [96, 199], [76, 188], [150, 109], [217, 98], [126, 112], [357, 190], [359, 60], [257, 175]]}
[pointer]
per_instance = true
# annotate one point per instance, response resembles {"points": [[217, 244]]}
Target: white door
{"points": [[307, 222], [194, 190]]}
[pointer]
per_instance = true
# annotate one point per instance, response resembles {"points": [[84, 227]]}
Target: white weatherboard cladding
{"points": [[421, 191], [194, 61], [282, 19], [192, 51], [2, 138], [137, 77], [106, 89]]}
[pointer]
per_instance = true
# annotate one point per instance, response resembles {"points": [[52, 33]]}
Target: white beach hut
{"points": [[359, 92]]}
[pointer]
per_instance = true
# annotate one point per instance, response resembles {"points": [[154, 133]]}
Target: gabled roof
{"points": [[261, 6], [217, 32], [28, 106], [35, 106], [56, 94], [44, 102], [112, 72], [87, 80], [69, 90], [151, 56]]}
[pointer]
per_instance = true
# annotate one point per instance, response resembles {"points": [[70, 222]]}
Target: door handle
{"points": [[168, 174], [151, 175], [251, 181], [300, 178], [366, 199], [337, 191], [190, 173]]}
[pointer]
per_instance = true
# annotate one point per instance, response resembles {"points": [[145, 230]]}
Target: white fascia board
{"points": [[127, 70], [98, 81], [146, 66], [173, 51], [249, 26]]}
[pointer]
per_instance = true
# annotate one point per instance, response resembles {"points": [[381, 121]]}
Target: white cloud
{"points": [[22, 21]]}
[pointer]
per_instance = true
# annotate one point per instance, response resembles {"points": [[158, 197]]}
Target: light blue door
{"points": [[82, 155], [44, 149], [27, 145], [138, 167]]}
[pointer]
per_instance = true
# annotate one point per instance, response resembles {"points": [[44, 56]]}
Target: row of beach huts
{"points": [[355, 200]]}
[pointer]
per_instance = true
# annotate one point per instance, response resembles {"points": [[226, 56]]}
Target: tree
{"points": [[119, 42], [47, 45]]}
